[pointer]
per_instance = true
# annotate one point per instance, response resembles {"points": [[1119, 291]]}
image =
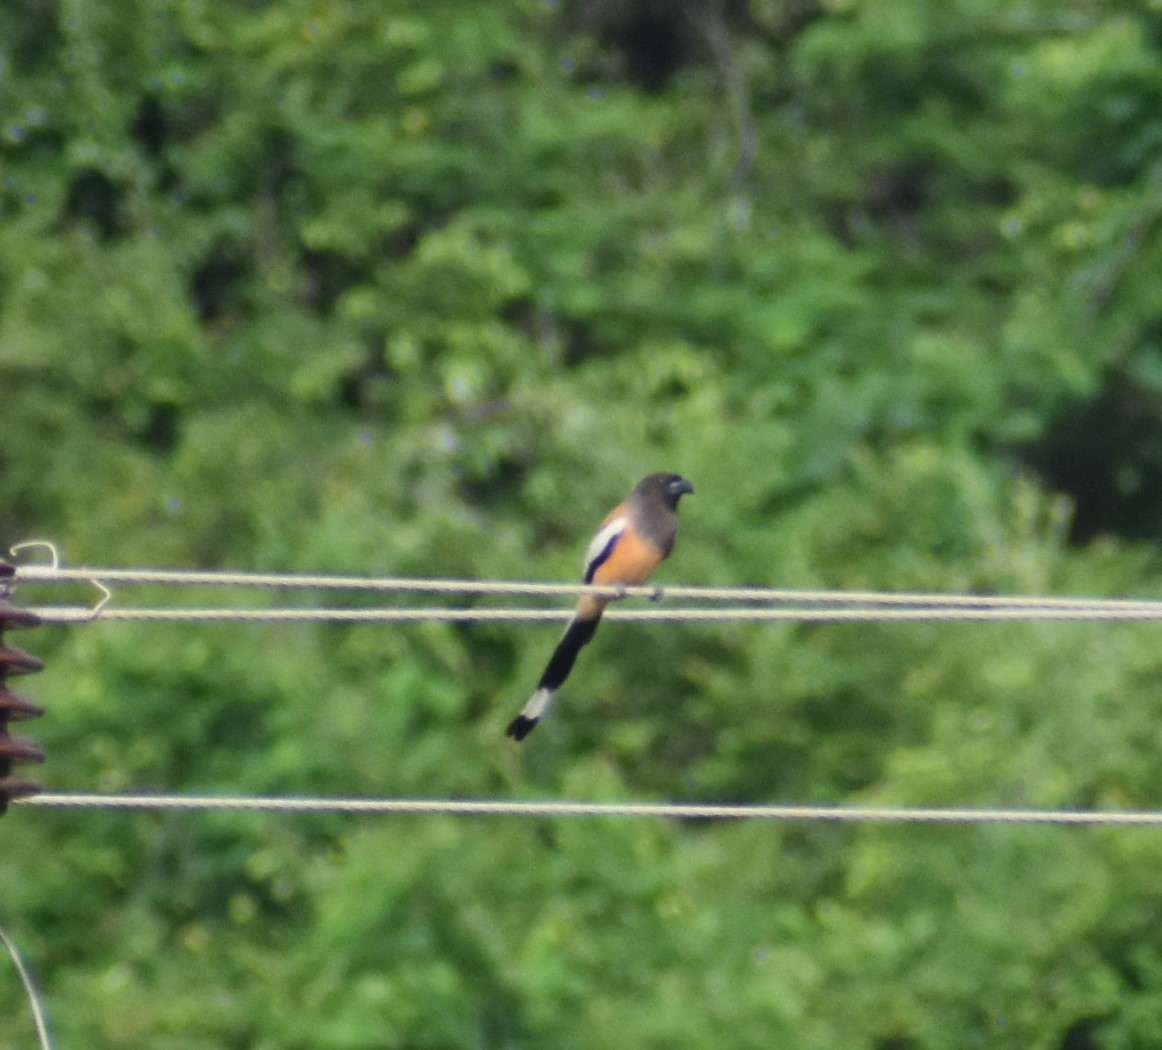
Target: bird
{"points": [[633, 540]]}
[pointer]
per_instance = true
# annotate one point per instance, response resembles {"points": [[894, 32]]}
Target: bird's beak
{"points": [[682, 487]]}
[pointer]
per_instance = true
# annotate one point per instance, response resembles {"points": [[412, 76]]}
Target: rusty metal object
{"points": [[13, 706]]}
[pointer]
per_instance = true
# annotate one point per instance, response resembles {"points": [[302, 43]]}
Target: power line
{"points": [[557, 808], [30, 991], [757, 604], [416, 614], [403, 584]]}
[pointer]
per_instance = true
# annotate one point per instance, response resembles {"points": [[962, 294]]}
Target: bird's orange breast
{"points": [[631, 561]]}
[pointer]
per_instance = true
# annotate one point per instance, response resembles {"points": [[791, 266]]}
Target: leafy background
{"points": [[380, 287]]}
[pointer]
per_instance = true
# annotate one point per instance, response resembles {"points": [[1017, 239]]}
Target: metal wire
{"points": [[749, 603], [556, 808], [30, 991], [82, 614], [404, 584]]}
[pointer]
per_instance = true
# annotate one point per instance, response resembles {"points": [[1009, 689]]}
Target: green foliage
{"points": [[422, 290]]}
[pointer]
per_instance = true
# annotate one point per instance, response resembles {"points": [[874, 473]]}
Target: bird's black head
{"points": [[669, 487]]}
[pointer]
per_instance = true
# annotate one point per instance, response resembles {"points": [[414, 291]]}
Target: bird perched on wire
{"points": [[633, 540]]}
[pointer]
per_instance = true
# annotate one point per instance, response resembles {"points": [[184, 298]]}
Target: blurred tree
{"points": [[422, 289]]}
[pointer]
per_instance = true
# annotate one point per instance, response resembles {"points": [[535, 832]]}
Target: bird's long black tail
{"points": [[577, 635]]}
